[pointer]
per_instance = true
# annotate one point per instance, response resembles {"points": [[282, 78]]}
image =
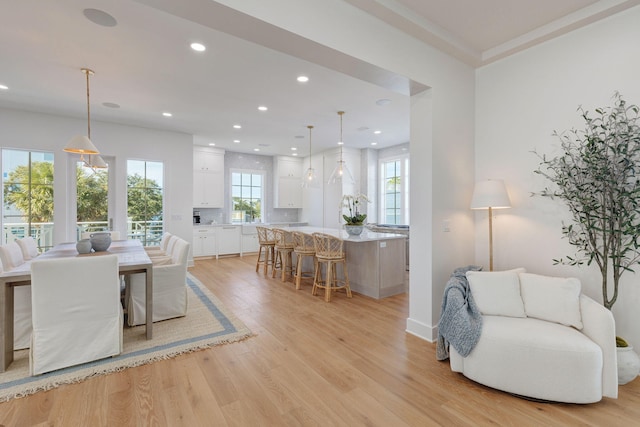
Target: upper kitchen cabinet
{"points": [[287, 182], [208, 177]]}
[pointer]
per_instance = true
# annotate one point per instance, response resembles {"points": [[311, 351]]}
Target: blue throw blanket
{"points": [[460, 322]]}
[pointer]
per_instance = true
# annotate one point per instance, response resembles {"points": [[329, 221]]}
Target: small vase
{"points": [[100, 241], [83, 246], [354, 230], [628, 364]]}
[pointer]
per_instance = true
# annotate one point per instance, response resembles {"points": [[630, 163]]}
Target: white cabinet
{"points": [[208, 178], [204, 241], [228, 239], [287, 182], [250, 243]]}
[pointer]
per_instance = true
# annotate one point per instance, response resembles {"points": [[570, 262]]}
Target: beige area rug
{"points": [[207, 323]]}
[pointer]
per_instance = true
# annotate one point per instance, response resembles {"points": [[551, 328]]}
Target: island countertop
{"points": [[366, 236]]}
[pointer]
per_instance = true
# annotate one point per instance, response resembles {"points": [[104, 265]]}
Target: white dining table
{"points": [[132, 259]]}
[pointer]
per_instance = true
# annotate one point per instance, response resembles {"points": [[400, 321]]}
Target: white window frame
{"points": [[263, 174], [404, 187]]}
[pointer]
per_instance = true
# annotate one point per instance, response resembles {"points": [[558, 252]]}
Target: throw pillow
{"points": [[555, 299], [497, 292]]}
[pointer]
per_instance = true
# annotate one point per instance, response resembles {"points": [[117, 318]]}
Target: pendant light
{"points": [[81, 144], [309, 179], [341, 172]]}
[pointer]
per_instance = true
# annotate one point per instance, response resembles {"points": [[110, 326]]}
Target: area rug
{"points": [[207, 323]]}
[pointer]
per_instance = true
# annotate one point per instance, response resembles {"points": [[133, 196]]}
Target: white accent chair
{"points": [[541, 338], [115, 235], [162, 248], [77, 315], [169, 288], [11, 257], [29, 247]]}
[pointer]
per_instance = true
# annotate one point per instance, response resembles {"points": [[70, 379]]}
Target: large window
{"points": [[92, 208], [394, 190], [27, 209], [247, 196], [144, 201]]}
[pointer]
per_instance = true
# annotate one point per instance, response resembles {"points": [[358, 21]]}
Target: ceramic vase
{"points": [[628, 364], [354, 230], [83, 246], [100, 241]]}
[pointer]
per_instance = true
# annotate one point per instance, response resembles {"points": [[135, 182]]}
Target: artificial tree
{"points": [[598, 177]]}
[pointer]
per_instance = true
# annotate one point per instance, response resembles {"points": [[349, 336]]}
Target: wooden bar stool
{"points": [[303, 246], [267, 243], [283, 260], [329, 251]]}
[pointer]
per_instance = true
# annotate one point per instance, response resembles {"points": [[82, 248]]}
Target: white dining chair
{"points": [[11, 257], [77, 316], [169, 288], [29, 247]]}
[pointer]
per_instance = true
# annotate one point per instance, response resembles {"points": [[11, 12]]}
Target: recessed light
{"points": [[110, 105], [236, 141], [3, 87], [167, 114], [377, 132], [374, 143], [198, 47], [237, 127], [299, 136], [294, 154], [383, 101], [262, 108], [256, 149], [294, 148], [212, 144], [100, 17], [340, 143], [303, 79]]}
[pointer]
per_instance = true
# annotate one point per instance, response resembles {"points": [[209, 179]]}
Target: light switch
{"points": [[383, 244]]}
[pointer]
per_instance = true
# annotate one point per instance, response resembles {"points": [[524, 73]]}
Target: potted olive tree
{"points": [[597, 176]]}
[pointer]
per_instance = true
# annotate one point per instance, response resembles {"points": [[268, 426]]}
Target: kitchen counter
{"points": [[375, 261]]}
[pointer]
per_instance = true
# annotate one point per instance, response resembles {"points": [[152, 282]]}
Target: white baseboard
{"points": [[422, 330]]}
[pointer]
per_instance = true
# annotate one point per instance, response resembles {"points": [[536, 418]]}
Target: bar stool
{"points": [[303, 246], [267, 243], [283, 260], [329, 251]]}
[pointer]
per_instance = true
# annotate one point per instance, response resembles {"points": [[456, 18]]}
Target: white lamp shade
{"points": [[491, 193], [82, 145], [96, 162]]}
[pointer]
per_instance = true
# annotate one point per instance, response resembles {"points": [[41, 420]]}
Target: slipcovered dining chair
{"points": [[29, 247], [161, 249], [330, 252], [303, 246], [11, 257], [283, 259], [169, 288], [77, 316]]}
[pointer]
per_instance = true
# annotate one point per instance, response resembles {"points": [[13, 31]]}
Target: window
{"points": [[247, 196], [144, 201], [92, 208], [394, 191], [27, 209]]}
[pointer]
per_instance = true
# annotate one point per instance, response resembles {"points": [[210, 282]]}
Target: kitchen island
{"points": [[375, 261]]}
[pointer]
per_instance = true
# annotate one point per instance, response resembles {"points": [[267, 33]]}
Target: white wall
{"points": [[46, 132], [520, 101]]}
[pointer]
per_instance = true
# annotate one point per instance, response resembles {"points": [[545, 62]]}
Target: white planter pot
{"points": [[628, 364]]}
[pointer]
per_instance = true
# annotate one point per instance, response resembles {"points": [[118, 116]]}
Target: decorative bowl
{"points": [[100, 241]]}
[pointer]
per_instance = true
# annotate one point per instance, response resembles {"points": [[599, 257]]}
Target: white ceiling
{"points": [[144, 64]]}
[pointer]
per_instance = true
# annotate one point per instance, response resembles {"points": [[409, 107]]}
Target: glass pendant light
{"points": [[309, 179], [341, 172]]}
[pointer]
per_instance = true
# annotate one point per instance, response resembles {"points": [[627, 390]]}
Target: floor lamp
{"points": [[490, 194]]}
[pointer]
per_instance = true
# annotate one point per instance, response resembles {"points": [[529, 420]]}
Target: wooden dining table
{"points": [[132, 259]]}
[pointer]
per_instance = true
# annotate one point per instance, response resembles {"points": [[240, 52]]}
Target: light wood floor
{"points": [[344, 363]]}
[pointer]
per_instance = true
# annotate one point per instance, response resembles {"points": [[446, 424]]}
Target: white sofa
{"points": [[541, 338]]}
